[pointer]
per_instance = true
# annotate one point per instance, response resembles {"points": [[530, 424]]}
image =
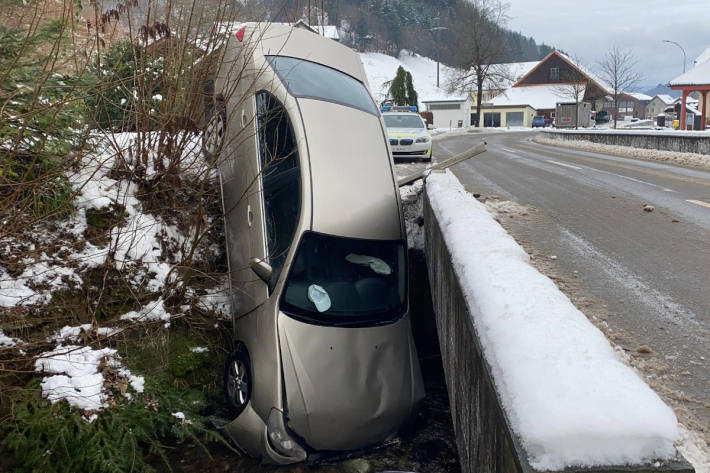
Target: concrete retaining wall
{"points": [[665, 141], [484, 439]]}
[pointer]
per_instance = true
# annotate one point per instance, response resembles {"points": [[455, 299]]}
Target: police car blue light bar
{"points": [[390, 108]]}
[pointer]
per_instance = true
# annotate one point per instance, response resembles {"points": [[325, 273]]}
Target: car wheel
{"points": [[238, 381], [213, 135]]}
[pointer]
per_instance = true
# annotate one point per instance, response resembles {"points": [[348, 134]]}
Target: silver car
{"points": [[325, 360]]}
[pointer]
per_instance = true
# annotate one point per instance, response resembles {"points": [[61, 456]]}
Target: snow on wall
{"points": [[567, 394]]}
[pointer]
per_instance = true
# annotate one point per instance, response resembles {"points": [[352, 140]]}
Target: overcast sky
{"points": [[588, 29]]}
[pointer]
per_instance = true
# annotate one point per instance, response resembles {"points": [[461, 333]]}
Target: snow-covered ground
{"points": [[142, 246], [567, 392], [381, 68], [671, 157]]}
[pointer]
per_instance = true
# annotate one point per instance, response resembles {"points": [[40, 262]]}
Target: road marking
{"points": [[699, 202], [509, 150], [664, 189], [565, 165]]}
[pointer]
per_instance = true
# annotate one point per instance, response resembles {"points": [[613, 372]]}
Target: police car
{"points": [[407, 133]]}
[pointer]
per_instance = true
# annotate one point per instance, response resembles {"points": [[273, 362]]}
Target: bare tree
{"points": [[573, 87], [618, 68], [481, 48]]}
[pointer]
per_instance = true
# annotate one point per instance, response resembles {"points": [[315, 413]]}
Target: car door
{"points": [[280, 179], [241, 192]]}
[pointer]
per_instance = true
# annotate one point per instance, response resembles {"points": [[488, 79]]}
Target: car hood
{"points": [[348, 388], [398, 132]]}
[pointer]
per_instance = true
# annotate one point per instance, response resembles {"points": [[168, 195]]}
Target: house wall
{"points": [[449, 117], [528, 114], [655, 107], [541, 75], [629, 106]]}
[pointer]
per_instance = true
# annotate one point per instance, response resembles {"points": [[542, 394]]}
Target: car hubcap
{"points": [[214, 134], [237, 386]]}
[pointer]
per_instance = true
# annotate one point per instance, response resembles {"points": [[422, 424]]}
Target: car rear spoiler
{"points": [[470, 153]]}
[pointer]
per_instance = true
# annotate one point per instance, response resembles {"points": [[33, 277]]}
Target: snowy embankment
{"points": [[143, 246], [567, 394], [381, 68], [671, 157]]}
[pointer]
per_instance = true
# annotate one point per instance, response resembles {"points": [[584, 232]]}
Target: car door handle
{"points": [[250, 215]]}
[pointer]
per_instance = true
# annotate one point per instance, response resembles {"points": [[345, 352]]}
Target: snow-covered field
{"points": [[671, 157], [381, 68], [567, 392]]}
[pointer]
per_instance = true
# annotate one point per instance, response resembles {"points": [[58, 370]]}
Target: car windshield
{"points": [[305, 79], [403, 121], [346, 281]]}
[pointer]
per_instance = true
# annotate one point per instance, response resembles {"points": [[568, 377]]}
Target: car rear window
{"points": [[305, 79]]}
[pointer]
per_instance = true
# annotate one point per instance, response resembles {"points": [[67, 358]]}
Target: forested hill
{"points": [[391, 25]]}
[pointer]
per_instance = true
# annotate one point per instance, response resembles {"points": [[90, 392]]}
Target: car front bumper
{"points": [[415, 150]]}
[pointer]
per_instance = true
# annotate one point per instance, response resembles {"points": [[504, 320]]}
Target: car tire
{"points": [[238, 380], [213, 135]]}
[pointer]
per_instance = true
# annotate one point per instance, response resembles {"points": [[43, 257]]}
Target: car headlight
{"points": [[280, 440], [423, 139]]}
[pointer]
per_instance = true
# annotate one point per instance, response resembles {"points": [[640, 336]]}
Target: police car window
{"points": [[305, 79], [281, 179], [403, 121]]}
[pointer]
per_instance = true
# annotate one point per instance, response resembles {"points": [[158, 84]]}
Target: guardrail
{"points": [[681, 142], [485, 439]]}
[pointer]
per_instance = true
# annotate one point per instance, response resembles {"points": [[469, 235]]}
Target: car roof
{"points": [[354, 190]]}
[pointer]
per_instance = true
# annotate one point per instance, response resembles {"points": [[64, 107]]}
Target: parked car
{"points": [[407, 133], [602, 117], [317, 249], [540, 121]]}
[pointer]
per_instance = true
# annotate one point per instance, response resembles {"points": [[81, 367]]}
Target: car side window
{"points": [[281, 179]]}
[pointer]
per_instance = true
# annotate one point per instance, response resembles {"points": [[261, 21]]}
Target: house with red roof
{"points": [[695, 80]]}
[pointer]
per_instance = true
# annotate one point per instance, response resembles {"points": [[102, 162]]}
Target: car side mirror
{"points": [[262, 269]]}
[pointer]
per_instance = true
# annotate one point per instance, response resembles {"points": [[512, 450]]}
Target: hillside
{"points": [[392, 25]]}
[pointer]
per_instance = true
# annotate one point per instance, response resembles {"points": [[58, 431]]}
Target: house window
{"points": [[554, 73], [444, 106]]}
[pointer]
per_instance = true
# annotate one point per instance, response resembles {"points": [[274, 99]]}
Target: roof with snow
{"points": [[639, 96], [704, 56], [688, 100], [666, 99], [698, 75], [537, 96]]}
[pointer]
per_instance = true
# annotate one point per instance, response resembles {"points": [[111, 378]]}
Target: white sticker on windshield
{"points": [[375, 264], [319, 297]]}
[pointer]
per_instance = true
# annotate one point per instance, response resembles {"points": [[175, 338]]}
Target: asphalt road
{"points": [[643, 277]]}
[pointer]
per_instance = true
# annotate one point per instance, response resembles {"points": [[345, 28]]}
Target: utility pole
{"points": [[437, 29], [681, 48]]}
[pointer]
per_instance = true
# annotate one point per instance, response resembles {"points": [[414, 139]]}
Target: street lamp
{"points": [[681, 48], [437, 28]]}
